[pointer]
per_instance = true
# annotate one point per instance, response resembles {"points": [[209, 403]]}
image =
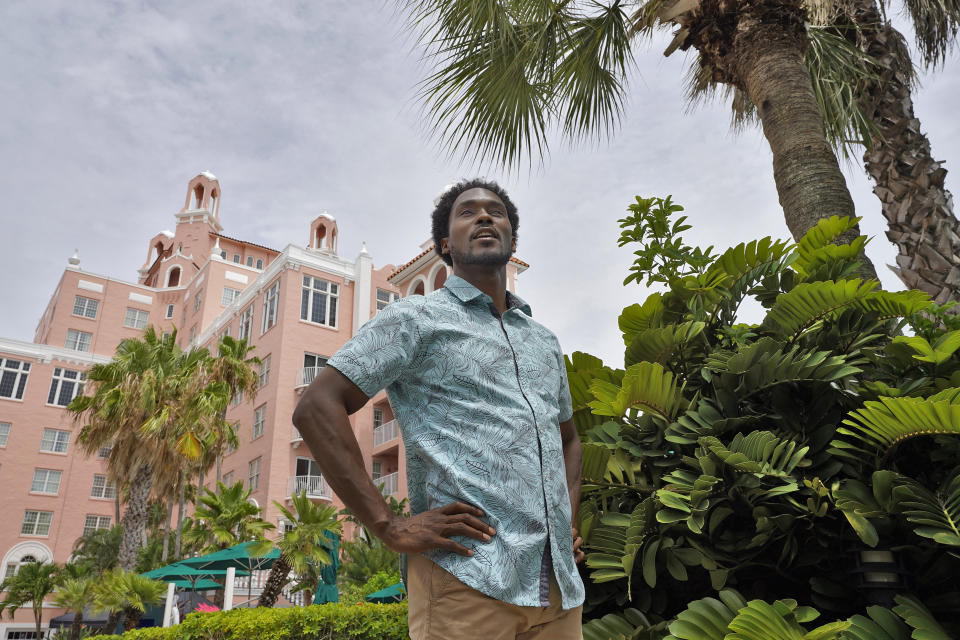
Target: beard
{"points": [[484, 259]]}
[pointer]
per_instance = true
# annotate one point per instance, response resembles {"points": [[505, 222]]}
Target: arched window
{"points": [[418, 290], [173, 276], [439, 278], [197, 196]]}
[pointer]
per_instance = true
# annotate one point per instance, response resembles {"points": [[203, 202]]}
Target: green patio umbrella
{"points": [[178, 571], [203, 584], [393, 593], [327, 587], [240, 557]]}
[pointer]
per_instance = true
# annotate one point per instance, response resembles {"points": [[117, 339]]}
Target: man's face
{"points": [[480, 231]]}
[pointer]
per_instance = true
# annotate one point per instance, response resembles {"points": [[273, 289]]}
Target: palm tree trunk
{"points": [[76, 626], [181, 508], [37, 617], [166, 533], [909, 181], [135, 518], [131, 618], [275, 582], [762, 54], [112, 621]]}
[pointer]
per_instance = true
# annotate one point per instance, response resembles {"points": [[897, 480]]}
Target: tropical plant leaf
{"points": [[707, 618], [638, 318], [936, 515], [878, 624], [646, 386], [919, 617], [686, 497], [617, 540], [809, 302], [760, 620], [658, 344], [938, 352], [616, 626], [759, 452], [880, 425]]}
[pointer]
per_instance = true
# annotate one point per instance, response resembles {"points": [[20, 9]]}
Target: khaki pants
{"points": [[443, 608]]}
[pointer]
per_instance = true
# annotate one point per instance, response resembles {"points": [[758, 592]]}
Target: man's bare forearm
{"points": [[325, 426], [572, 453]]}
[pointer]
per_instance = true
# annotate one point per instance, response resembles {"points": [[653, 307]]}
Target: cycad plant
{"points": [[125, 595], [303, 543], [769, 457], [76, 595]]}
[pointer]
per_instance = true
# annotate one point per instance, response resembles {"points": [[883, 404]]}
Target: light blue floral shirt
{"points": [[479, 399]]}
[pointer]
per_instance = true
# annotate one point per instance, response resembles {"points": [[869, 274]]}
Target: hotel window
{"points": [[249, 261], [377, 418], [229, 295], [94, 523], [264, 375], [223, 254], [4, 433], [136, 318], [318, 301], [228, 479], [46, 481], [193, 333], [246, 324], [258, 420], [313, 361], [13, 378], [196, 301], [103, 488], [104, 452], [236, 258], [384, 298], [78, 340], [169, 311], [11, 571], [236, 399], [253, 477], [55, 441], [86, 307], [259, 264], [65, 386], [377, 470], [36, 523], [271, 302]]}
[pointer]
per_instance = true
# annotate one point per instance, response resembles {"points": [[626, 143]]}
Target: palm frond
{"points": [[919, 617]]}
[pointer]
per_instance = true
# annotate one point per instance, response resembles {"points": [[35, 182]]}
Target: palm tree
{"points": [[31, 583], [157, 406], [509, 70], [302, 544], [909, 181], [125, 595], [225, 518], [75, 594], [98, 549]]}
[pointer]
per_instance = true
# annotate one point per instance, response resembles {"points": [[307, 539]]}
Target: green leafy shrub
{"points": [[768, 457], [316, 622]]}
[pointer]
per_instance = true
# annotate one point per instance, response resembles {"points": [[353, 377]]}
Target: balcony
{"points": [[385, 433], [305, 376], [315, 486], [388, 483], [295, 437]]}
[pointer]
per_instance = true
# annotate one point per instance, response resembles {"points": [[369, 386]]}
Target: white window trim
{"points": [[271, 308], [259, 418], [36, 524], [78, 384], [7, 427], [78, 340], [46, 481], [136, 322], [86, 305], [329, 294], [55, 440]]}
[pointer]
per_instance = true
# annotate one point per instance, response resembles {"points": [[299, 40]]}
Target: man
{"points": [[480, 392]]}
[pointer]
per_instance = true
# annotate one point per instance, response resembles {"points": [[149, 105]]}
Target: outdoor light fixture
{"points": [[880, 575]]}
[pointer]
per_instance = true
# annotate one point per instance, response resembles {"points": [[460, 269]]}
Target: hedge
{"points": [[316, 622]]}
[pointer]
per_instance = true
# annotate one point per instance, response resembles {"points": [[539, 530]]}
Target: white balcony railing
{"points": [[385, 433], [315, 486], [295, 435], [389, 483], [306, 375]]}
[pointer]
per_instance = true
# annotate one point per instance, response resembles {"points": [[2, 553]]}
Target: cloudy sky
{"points": [[111, 107]]}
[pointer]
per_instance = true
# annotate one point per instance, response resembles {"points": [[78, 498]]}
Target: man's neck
{"points": [[491, 281]]}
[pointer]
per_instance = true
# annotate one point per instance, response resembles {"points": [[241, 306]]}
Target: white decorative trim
{"points": [[109, 279], [199, 279], [33, 548], [236, 277], [45, 353], [139, 297], [86, 285], [413, 285]]}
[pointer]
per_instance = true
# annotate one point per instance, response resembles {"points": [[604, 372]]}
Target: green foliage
{"points": [[31, 584], [662, 257], [327, 621], [225, 518], [762, 456]]}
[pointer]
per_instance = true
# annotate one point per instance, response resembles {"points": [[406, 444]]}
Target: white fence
{"points": [[315, 486], [389, 482]]}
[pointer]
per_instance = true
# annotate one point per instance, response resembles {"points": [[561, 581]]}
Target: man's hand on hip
{"points": [[433, 529], [577, 543]]}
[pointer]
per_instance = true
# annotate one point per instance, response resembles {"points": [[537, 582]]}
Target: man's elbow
{"points": [[304, 415]]}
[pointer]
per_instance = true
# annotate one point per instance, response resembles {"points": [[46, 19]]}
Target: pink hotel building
{"points": [[296, 307]]}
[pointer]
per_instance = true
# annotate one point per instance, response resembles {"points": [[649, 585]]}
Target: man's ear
{"points": [[444, 245]]}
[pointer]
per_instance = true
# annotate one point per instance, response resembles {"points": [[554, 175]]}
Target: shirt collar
{"points": [[466, 292]]}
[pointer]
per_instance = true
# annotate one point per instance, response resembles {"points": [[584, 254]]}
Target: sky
{"points": [[110, 108]]}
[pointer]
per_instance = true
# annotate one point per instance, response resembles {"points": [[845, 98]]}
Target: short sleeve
{"points": [[564, 402], [383, 349]]}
